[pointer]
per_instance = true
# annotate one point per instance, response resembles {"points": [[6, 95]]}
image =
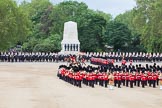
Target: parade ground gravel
{"points": [[35, 85]]}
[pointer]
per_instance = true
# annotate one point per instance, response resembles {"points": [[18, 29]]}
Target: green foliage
{"points": [[148, 22], [51, 44], [13, 23], [92, 34], [118, 35], [48, 22], [135, 41], [29, 45], [38, 25]]}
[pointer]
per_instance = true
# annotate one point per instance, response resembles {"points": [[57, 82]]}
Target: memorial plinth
{"points": [[70, 43]]}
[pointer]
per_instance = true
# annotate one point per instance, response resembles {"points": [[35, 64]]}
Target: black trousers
{"points": [[86, 82], [79, 83], [146, 82], [143, 84], [123, 81], [150, 82], [135, 83], [154, 83], [91, 83], [75, 82], [138, 83], [131, 84], [119, 83], [127, 81], [157, 81], [96, 81], [115, 82], [102, 82], [106, 82]]}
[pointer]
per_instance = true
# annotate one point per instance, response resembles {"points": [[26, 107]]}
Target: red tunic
{"points": [[119, 77], [143, 78], [131, 78], [115, 76], [105, 77], [150, 77], [123, 77], [154, 77], [63, 71], [127, 76], [138, 77]]}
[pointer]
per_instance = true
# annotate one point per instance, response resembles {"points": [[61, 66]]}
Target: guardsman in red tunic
{"points": [[83, 75], [119, 80], [143, 80], [79, 79], [135, 80], [146, 80], [99, 75], [90, 80], [131, 79], [154, 80], [94, 75], [123, 78], [70, 77], [63, 70], [157, 74], [102, 79], [138, 78], [127, 79], [74, 79], [115, 78], [93, 79], [86, 78], [105, 78], [150, 78], [67, 76]]}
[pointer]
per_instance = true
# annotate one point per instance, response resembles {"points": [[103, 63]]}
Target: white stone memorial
{"points": [[70, 43]]}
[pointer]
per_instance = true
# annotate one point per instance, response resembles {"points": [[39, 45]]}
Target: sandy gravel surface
{"points": [[35, 85]]}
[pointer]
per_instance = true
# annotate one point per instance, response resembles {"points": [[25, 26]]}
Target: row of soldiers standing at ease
{"points": [[34, 57], [134, 56], [91, 76], [51, 57], [28, 57]]}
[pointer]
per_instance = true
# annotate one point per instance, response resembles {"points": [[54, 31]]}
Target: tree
{"points": [[92, 33], [135, 39], [47, 21], [39, 15], [13, 23], [117, 35], [148, 22]]}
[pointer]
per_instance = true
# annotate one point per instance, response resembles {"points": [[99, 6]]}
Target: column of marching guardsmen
{"points": [[92, 76], [86, 75], [136, 79]]}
